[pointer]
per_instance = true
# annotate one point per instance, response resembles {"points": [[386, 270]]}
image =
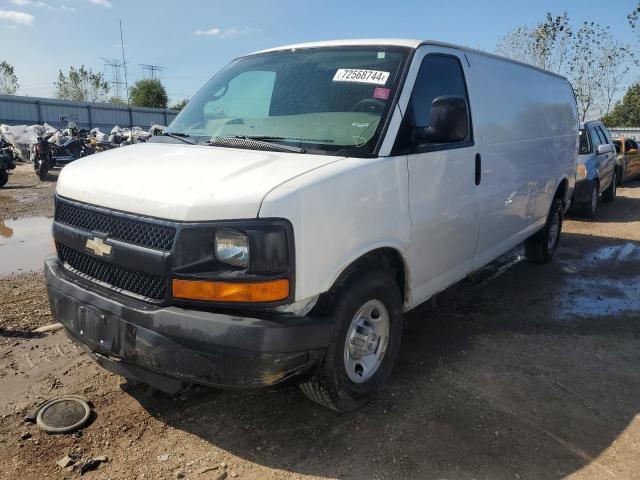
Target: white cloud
{"points": [[102, 3], [20, 18], [31, 3], [223, 33], [212, 32], [65, 8]]}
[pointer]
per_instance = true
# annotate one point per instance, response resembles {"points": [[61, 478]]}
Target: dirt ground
{"points": [[519, 372], [25, 195]]}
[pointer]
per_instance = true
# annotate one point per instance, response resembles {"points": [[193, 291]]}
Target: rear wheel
{"points": [[364, 346], [609, 195], [541, 247]]}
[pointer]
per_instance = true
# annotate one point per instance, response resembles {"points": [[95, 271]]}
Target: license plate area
{"points": [[97, 329]]}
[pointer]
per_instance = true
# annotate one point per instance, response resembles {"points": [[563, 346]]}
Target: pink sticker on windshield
{"points": [[381, 93]]}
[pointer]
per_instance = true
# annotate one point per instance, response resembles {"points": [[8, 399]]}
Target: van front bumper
{"points": [[169, 346]]}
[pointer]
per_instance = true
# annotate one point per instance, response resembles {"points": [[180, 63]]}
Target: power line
{"points": [[116, 79], [151, 70]]}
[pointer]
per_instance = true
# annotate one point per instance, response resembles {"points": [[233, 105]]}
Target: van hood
{"points": [[183, 182]]}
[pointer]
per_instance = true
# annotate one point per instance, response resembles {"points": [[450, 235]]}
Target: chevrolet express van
{"points": [[303, 200]]}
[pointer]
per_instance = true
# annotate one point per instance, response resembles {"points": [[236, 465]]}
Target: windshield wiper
{"points": [[246, 141], [179, 136]]}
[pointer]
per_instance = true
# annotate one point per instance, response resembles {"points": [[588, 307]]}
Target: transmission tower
{"points": [[116, 78], [150, 70]]}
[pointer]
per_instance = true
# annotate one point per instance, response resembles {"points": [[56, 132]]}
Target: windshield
{"points": [[325, 99]]}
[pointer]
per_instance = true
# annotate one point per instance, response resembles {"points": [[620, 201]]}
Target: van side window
{"points": [[439, 75]]}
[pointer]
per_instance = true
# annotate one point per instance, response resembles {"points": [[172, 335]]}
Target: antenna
{"points": [[124, 63], [151, 70], [116, 79]]}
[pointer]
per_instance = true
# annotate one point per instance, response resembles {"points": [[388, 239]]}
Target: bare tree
{"points": [[546, 45], [617, 59], [633, 18], [8, 79], [595, 62]]}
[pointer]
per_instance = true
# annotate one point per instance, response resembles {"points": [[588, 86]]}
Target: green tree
{"points": [[8, 79], [180, 105], [81, 85], [148, 93], [627, 112]]}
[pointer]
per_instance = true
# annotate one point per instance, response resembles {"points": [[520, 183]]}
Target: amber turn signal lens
{"points": [[270, 291]]}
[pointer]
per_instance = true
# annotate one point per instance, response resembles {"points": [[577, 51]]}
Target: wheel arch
{"points": [[381, 257], [562, 191]]}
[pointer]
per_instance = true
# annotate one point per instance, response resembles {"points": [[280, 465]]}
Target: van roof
{"points": [[399, 42]]}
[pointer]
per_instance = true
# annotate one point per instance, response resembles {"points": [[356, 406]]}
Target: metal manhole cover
{"points": [[63, 415]]}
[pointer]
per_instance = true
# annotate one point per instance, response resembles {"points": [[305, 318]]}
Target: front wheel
{"points": [[364, 346], [588, 209], [42, 169], [609, 195], [4, 176], [541, 247]]}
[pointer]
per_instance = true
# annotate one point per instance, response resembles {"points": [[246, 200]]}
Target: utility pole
{"points": [[151, 70], [124, 63]]}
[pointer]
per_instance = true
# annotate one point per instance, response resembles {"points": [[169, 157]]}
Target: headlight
{"points": [[232, 248], [581, 172]]}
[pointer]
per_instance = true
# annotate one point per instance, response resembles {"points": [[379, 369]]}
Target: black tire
{"points": [[4, 176], [609, 195], [588, 209], [330, 384], [42, 170], [541, 247]]}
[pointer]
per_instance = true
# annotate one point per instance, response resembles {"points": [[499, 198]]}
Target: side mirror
{"points": [[632, 151], [448, 123], [602, 149]]}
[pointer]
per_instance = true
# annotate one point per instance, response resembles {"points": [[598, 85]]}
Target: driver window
{"points": [[248, 95], [439, 75], [595, 136]]}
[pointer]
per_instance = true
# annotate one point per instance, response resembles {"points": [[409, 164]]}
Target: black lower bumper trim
{"points": [[167, 346]]}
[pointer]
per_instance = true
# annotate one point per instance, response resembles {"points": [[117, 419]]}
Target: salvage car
{"points": [[628, 158], [304, 199], [597, 171]]}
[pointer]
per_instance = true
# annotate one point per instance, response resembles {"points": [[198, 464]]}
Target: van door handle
{"points": [[478, 169]]}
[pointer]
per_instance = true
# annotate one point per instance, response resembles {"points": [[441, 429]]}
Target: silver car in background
{"points": [[596, 172]]}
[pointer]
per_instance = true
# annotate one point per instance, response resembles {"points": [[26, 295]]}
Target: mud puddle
{"points": [[24, 244]]}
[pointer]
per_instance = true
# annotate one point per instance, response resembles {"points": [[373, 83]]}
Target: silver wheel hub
{"points": [[366, 341]]}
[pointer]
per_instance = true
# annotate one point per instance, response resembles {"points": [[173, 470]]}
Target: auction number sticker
{"points": [[375, 77]]}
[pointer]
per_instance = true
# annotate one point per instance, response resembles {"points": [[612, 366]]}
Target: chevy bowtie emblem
{"points": [[97, 246]]}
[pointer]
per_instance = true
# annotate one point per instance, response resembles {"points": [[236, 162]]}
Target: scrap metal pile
{"points": [[45, 147], [70, 143]]}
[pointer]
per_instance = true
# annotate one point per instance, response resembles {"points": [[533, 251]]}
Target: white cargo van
{"points": [[304, 199]]}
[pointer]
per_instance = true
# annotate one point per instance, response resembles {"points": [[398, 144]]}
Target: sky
{"points": [[193, 39]]}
